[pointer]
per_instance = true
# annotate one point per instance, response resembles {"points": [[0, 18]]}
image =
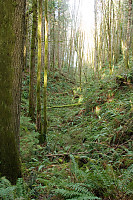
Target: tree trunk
{"points": [[109, 34], [59, 64], [96, 43], [118, 35], [11, 63], [70, 49], [39, 124], [27, 45], [32, 97], [128, 35], [53, 46], [45, 72]]}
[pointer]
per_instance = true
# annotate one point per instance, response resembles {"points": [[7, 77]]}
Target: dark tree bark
{"points": [[11, 64], [32, 96]]}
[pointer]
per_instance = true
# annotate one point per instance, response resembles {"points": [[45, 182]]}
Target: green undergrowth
{"points": [[9, 192], [89, 147]]}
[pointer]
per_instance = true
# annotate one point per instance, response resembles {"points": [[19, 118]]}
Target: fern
{"points": [[126, 183], [9, 192], [29, 138], [6, 189], [102, 181], [83, 191], [79, 187], [74, 167], [85, 198], [76, 190], [72, 194], [77, 173], [20, 189], [66, 193]]}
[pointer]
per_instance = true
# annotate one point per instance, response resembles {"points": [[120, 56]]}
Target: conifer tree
{"points": [[39, 123], [32, 96], [45, 71], [96, 40], [128, 34], [11, 64]]}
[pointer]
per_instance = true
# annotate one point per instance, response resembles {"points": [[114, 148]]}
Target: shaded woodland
{"points": [[66, 101]]}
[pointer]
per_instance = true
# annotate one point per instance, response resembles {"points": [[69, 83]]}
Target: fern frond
{"points": [[20, 188], [74, 166], [66, 193], [78, 187], [6, 189], [9, 192], [76, 191], [85, 198]]}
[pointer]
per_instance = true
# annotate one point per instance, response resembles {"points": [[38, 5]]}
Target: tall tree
{"points": [[96, 42], [28, 30], [32, 96], [118, 34], [59, 63], [45, 71], [11, 63], [53, 46], [128, 35], [109, 29], [39, 123]]}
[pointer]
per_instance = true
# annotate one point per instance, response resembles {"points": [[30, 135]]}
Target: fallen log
{"points": [[63, 106], [66, 154]]}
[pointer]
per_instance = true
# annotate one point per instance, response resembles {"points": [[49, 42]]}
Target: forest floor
{"points": [[89, 145]]}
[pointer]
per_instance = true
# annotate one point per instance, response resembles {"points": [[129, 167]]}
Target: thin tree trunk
{"points": [[59, 64], [42, 35], [113, 37], [128, 35], [118, 35], [39, 124], [70, 50], [32, 97], [109, 34], [54, 41], [45, 72], [96, 42], [26, 34]]}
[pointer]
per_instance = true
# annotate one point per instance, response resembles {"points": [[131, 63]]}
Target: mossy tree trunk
{"points": [[80, 56], [32, 97], [109, 25], [118, 35], [45, 71], [96, 41], [26, 36], [58, 52], [11, 63], [70, 49], [63, 40], [39, 123], [114, 39], [128, 34], [53, 51]]}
